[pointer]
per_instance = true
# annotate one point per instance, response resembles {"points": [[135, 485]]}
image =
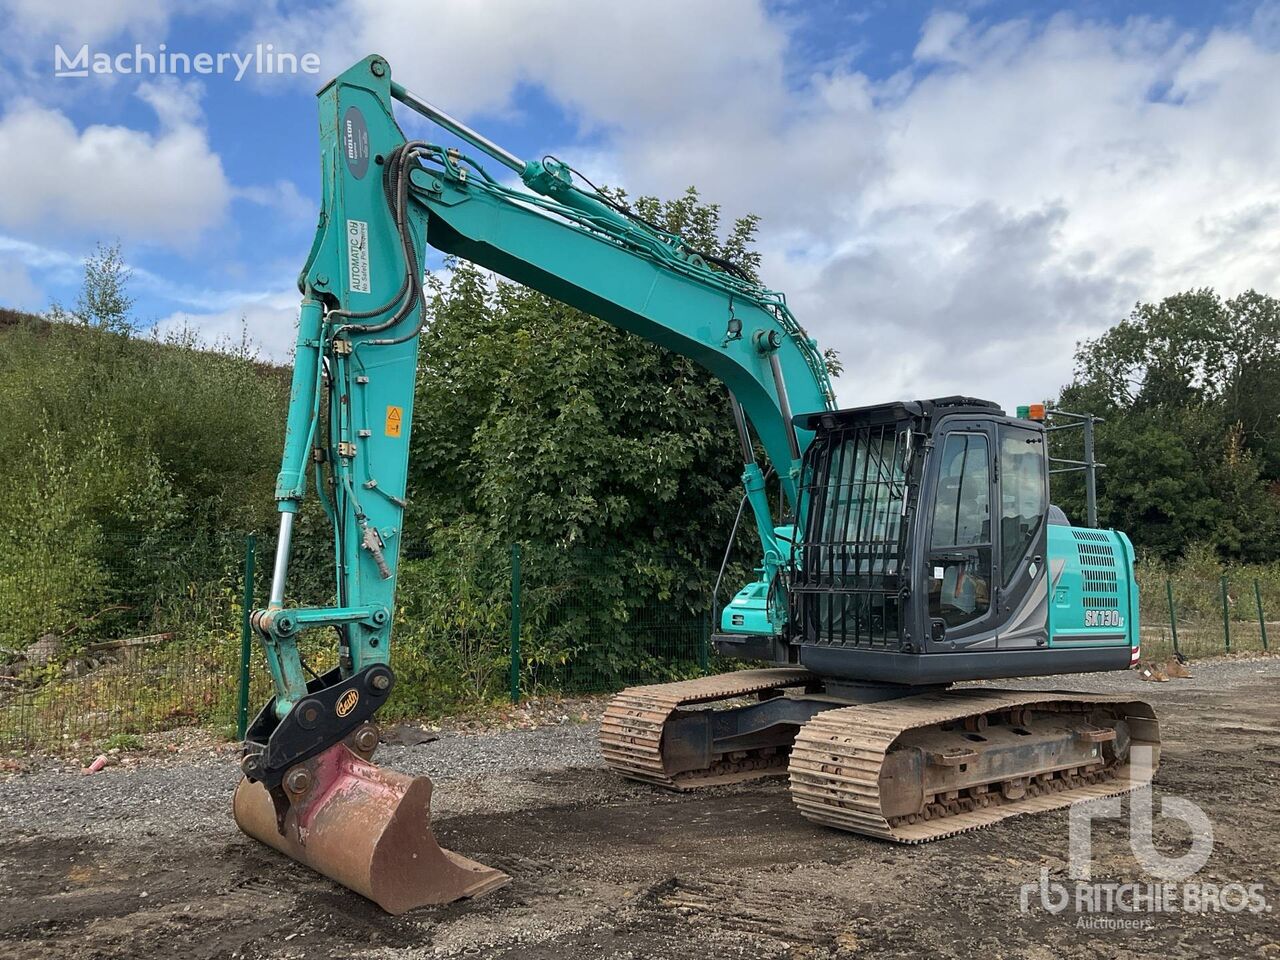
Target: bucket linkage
{"points": [[364, 826]]}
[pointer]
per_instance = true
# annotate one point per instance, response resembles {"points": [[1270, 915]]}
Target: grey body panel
{"points": [[932, 668], [1028, 627]]}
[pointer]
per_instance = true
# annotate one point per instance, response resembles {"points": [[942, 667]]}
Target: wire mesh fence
{"points": [[1208, 616], [574, 632], [138, 635], [131, 634], [123, 635]]}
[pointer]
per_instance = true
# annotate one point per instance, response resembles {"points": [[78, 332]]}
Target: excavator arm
{"points": [[386, 199]]}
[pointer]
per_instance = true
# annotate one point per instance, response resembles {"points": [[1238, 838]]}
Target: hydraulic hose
{"points": [[395, 182]]}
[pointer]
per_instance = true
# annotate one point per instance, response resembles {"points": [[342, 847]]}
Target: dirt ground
{"points": [[145, 861]]}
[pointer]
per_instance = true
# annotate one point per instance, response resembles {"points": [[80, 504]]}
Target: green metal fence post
{"points": [[514, 678], [1262, 621], [704, 648], [246, 637], [1226, 618], [1173, 616]]}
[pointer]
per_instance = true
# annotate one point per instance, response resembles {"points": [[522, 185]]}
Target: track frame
{"points": [[883, 760]]}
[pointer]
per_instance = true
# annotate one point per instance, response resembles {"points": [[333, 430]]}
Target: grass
{"points": [[1196, 583], [123, 741]]}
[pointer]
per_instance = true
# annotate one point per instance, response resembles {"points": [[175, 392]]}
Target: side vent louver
{"points": [[1098, 569]]}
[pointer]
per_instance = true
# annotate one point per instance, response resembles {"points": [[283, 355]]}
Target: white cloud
{"points": [[269, 320], [953, 228], [162, 188], [613, 63], [176, 103], [1027, 192], [214, 313], [16, 286], [35, 256], [284, 197], [85, 21]]}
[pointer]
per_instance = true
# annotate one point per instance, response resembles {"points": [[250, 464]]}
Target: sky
{"points": [[952, 194]]}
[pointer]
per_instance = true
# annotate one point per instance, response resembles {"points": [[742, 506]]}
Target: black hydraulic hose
{"points": [[395, 186], [728, 266], [410, 152], [365, 314], [728, 549], [395, 181], [388, 191]]}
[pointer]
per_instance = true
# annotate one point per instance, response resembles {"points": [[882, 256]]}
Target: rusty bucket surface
{"points": [[367, 828]]}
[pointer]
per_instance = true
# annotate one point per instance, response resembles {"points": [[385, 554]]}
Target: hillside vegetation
{"points": [[134, 463]]}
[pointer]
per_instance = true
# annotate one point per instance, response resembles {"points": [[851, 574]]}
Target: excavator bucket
{"points": [[366, 827]]}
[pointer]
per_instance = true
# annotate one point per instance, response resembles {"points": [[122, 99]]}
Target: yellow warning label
{"points": [[394, 416]]}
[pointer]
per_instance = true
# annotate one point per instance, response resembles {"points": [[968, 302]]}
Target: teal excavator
{"points": [[917, 548]]}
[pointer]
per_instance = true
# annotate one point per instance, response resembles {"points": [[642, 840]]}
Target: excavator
{"points": [[914, 548]]}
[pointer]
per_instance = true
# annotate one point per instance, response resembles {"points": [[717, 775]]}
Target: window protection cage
{"points": [[847, 583]]}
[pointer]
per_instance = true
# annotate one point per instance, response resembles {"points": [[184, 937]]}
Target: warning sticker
{"points": [[394, 417], [358, 256]]}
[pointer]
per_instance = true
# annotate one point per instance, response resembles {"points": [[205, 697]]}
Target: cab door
{"points": [[1022, 546], [959, 547]]}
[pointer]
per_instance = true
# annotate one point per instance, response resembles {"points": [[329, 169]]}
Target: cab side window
{"points": [[1022, 495], [960, 541]]}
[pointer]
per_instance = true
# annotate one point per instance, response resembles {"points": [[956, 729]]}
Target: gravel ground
{"points": [[192, 791], [143, 860], [1212, 674]]}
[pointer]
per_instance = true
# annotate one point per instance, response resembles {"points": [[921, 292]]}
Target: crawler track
{"points": [[847, 766], [838, 763], [631, 728]]}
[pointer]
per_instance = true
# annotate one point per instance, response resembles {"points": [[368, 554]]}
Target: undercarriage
{"points": [[889, 761]]}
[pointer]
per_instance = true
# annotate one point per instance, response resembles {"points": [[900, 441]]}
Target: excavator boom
{"points": [[386, 199]]}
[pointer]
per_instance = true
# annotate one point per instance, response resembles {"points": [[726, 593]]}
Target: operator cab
{"points": [[929, 552]]}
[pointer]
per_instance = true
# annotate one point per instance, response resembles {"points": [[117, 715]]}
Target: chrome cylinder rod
{"points": [[784, 405], [744, 436], [281, 571], [457, 127]]}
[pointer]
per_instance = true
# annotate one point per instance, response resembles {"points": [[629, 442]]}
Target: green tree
{"points": [[1190, 387], [104, 302], [614, 460]]}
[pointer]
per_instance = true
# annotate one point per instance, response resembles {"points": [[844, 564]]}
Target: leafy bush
{"points": [[142, 463], [452, 625]]}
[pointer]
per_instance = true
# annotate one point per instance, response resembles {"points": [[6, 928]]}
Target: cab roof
{"points": [[898, 410]]}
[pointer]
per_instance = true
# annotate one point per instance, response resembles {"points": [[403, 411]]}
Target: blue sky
{"points": [[952, 194]]}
